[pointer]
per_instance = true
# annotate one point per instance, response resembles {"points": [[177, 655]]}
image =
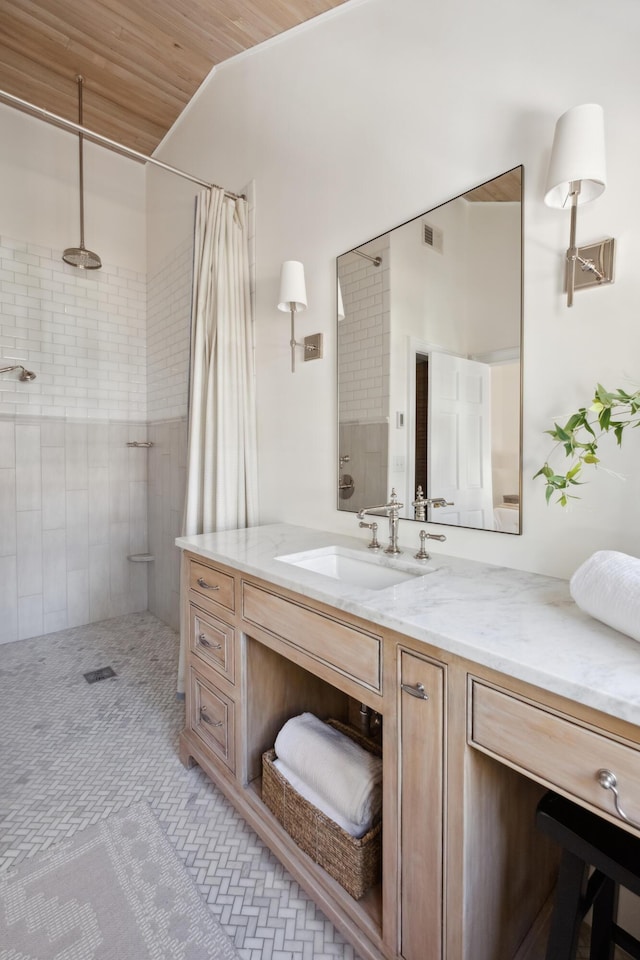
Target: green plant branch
{"points": [[610, 412]]}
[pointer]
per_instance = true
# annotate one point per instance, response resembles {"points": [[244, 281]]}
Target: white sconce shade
{"points": [[341, 313], [577, 156], [578, 174], [293, 291]]}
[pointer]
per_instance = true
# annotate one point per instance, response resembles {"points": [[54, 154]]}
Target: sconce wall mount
{"points": [[577, 175]]}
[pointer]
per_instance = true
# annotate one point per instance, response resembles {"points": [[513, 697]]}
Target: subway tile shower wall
{"points": [[82, 332], [168, 330], [73, 496]]}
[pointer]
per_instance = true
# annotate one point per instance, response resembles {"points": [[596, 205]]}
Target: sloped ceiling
{"points": [[142, 60]]}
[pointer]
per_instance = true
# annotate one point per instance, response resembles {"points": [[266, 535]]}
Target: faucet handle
{"points": [[373, 545], [424, 536]]}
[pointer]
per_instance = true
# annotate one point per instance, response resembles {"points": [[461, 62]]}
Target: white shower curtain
{"points": [[222, 482]]}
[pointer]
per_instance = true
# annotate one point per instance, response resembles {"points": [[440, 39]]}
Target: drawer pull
{"points": [[417, 691], [206, 719], [207, 643], [608, 781], [206, 586]]}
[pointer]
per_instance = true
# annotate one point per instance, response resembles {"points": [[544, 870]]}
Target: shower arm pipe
{"points": [[80, 82], [376, 261], [113, 145]]}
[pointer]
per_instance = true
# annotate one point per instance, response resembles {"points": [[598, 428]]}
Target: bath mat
{"points": [[115, 891]]}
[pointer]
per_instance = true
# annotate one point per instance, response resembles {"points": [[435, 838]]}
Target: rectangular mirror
{"points": [[429, 365]]}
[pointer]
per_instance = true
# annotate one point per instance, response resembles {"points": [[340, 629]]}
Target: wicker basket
{"points": [[354, 863]]}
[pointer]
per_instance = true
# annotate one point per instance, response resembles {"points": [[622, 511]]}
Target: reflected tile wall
{"points": [[73, 506], [366, 444]]}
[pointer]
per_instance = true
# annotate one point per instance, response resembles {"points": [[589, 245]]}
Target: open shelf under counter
{"points": [[366, 913]]}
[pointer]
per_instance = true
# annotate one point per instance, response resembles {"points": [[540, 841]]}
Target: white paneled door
{"points": [[459, 428]]}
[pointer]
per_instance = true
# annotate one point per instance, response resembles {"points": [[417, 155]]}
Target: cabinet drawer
{"points": [[351, 651], [212, 641], [212, 584], [212, 717], [554, 749]]}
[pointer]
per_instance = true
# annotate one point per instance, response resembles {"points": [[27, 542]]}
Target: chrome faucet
{"points": [[393, 509], [421, 503]]}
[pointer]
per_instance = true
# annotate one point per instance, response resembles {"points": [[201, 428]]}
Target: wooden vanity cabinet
{"points": [[421, 801], [464, 874], [257, 656], [555, 749], [211, 695]]}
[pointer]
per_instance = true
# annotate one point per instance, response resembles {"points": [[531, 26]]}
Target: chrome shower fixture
{"points": [[25, 375], [376, 261], [80, 256]]}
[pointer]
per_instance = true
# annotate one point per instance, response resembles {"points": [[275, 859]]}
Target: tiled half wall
{"points": [[73, 507]]}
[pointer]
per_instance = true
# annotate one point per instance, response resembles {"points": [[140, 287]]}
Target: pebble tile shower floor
{"points": [[73, 753]]}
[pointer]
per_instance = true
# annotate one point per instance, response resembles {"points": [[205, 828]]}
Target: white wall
{"points": [[375, 113], [39, 192]]}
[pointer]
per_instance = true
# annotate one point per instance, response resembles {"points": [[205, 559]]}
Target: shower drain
{"points": [[102, 674]]}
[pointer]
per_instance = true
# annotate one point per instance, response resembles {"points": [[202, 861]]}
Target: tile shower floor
{"points": [[72, 754]]}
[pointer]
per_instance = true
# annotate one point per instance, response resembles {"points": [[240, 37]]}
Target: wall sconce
{"points": [[293, 298], [577, 174]]}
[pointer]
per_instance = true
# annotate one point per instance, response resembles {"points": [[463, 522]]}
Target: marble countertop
{"points": [[521, 624]]}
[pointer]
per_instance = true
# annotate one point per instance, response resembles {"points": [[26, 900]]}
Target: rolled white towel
{"points": [[356, 830], [340, 770], [607, 587]]}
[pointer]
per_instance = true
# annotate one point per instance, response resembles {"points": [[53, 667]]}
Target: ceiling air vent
{"points": [[432, 236]]}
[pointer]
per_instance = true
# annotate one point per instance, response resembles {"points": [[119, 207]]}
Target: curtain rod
{"points": [[58, 121]]}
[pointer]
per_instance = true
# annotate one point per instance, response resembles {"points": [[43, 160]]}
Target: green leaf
{"points": [[561, 433], [605, 418], [605, 398], [590, 458], [575, 421]]}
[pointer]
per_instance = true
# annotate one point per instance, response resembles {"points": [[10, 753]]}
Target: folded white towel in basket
{"points": [[356, 830], [340, 770], [607, 586]]}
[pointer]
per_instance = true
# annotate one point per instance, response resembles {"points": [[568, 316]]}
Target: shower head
{"points": [[82, 258], [25, 375], [79, 256]]}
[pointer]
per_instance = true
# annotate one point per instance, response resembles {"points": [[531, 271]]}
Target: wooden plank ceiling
{"points": [[142, 60], [504, 189]]}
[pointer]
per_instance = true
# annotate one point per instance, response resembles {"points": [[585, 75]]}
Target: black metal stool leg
{"points": [[567, 913], [605, 909]]}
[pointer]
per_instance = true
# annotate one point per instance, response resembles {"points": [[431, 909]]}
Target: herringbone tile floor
{"points": [[73, 753]]}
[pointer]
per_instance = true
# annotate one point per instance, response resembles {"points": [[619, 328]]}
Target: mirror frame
{"points": [[342, 467]]}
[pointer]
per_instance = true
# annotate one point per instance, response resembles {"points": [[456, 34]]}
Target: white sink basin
{"points": [[357, 569]]}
